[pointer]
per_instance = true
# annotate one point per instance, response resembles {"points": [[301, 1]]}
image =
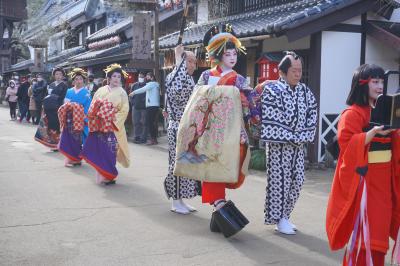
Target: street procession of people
{"points": [[210, 127]]}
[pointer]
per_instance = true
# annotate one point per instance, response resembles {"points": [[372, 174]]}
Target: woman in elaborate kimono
{"points": [[71, 140], [364, 202], [223, 48], [48, 132], [104, 147]]}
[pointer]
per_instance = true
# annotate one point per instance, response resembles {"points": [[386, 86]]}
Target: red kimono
{"points": [[382, 181]]}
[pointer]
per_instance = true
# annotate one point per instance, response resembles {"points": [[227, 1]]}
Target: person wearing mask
{"points": [[152, 90], [139, 111], [39, 92], [32, 103], [11, 98], [92, 86], [23, 99]]}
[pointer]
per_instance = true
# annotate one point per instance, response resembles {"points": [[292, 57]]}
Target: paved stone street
{"points": [[52, 215]]}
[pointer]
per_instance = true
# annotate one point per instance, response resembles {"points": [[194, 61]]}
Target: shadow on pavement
{"points": [[259, 249]]}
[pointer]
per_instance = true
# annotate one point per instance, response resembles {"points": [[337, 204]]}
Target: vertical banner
{"points": [[141, 40], [38, 58]]}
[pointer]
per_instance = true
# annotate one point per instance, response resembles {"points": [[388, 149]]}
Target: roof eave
{"points": [[325, 20]]}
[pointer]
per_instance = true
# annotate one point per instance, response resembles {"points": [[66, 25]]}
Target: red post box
{"points": [[268, 67]]}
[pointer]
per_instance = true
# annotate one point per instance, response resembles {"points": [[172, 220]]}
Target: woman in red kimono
{"points": [[365, 196], [223, 48]]}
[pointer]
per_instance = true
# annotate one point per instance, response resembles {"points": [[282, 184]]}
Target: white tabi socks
{"points": [[286, 227], [181, 207]]}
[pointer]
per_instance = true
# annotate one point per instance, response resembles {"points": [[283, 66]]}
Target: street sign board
{"points": [[141, 39]]}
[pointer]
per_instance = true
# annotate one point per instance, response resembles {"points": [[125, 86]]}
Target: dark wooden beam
{"points": [[329, 20], [363, 38], [345, 28], [383, 35], [259, 52], [315, 85]]}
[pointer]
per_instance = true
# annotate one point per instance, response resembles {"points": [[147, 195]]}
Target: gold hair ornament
{"points": [[113, 67]]}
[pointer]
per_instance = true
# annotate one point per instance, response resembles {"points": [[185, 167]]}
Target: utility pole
{"points": [[156, 44]]}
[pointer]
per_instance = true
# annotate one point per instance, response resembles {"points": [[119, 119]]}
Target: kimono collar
{"points": [[78, 90], [114, 88], [217, 71]]}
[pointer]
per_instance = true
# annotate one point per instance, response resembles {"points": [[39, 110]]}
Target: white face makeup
{"points": [[229, 58]]}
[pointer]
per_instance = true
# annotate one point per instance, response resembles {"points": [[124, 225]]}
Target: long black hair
{"points": [[359, 93]]}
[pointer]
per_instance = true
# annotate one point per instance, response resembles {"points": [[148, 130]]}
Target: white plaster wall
{"points": [[396, 15], [282, 44], [340, 57], [384, 56], [354, 21]]}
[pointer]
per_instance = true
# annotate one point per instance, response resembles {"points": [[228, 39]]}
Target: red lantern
{"points": [[268, 67], [132, 78]]}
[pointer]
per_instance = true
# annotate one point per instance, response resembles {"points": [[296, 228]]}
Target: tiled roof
{"points": [[54, 12], [67, 53], [115, 50], [110, 30], [395, 3], [126, 24], [21, 65], [272, 20]]}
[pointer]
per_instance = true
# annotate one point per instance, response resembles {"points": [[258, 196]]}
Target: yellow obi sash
{"points": [[380, 150]]}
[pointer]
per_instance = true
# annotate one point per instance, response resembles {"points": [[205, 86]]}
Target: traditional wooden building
{"points": [[60, 30], [11, 11], [332, 36], [114, 43]]}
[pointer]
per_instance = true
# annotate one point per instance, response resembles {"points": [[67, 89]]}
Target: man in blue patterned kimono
{"points": [[180, 85], [289, 118]]}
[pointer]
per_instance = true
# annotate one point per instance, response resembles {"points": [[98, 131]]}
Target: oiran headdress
{"points": [[115, 67], [77, 72], [215, 41]]}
